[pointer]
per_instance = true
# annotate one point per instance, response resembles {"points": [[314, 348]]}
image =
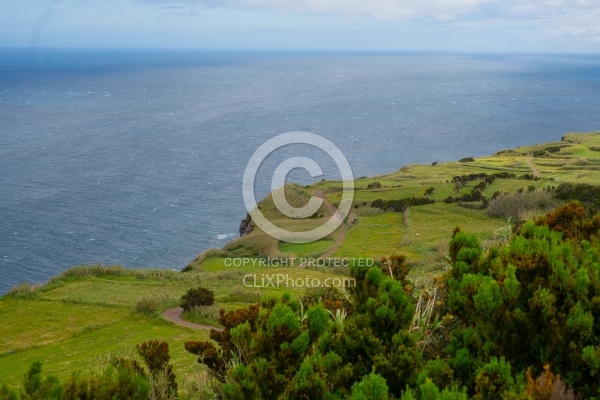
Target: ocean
{"points": [[137, 157]]}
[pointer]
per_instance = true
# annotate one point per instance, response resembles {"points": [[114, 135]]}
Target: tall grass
{"points": [[522, 205], [100, 271], [363, 211], [23, 290], [152, 306], [256, 244], [208, 315], [97, 271]]}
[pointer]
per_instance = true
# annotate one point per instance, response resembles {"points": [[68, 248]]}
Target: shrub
{"points": [[571, 222], [528, 177], [371, 387], [374, 185], [488, 178], [197, 297], [466, 159], [115, 382], [156, 356], [547, 386], [494, 380], [333, 298], [533, 301], [400, 205], [587, 194], [553, 149], [475, 195]]}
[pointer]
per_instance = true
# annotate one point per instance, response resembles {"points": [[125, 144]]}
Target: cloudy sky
{"points": [[556, 26]]}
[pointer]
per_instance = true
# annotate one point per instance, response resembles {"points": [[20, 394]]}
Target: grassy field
{"points": [[75, 321], [81, 318]]}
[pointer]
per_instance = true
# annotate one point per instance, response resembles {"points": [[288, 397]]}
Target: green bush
{"points": [[115, 382], [400, 205], [371, 387], [539, 153], [498, 317], [534, 301], [157, 359], [197, 297]]}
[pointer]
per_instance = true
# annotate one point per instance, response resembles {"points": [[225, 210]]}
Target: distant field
{"points": [[423, 234]]}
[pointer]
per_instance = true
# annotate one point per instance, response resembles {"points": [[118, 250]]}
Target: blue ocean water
{"points": [[137, 157]]}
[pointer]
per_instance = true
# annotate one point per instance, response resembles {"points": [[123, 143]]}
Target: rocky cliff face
{"points": [[246, 226]]}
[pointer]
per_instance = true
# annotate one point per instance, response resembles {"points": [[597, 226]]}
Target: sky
{"points": [[536, 26]]}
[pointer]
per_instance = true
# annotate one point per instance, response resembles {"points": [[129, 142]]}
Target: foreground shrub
{"points": [[197, 297], [280, 349], [535, 301], [157, 359], [547, 386], [115, 382]]}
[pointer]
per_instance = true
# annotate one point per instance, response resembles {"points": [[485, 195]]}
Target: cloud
{"points": [[179, 10], [441, 10], [532, 20]]}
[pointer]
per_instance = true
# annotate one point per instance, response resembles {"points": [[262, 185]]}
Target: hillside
{"points": [[423, 232], [78, 318]]}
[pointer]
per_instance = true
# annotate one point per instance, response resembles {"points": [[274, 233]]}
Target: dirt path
{"points": [[536, 171], [174, 315]]}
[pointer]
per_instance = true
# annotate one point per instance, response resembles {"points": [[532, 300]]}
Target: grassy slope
{"points": [[76, 320]]}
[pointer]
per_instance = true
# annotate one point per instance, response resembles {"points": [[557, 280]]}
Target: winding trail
{"points": [[534, 169], [174, 315]]}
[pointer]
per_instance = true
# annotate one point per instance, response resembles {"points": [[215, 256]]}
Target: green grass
{"points": [[373, 236], [90, 350], [86, 314], [29, 323], [305, 250]]}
